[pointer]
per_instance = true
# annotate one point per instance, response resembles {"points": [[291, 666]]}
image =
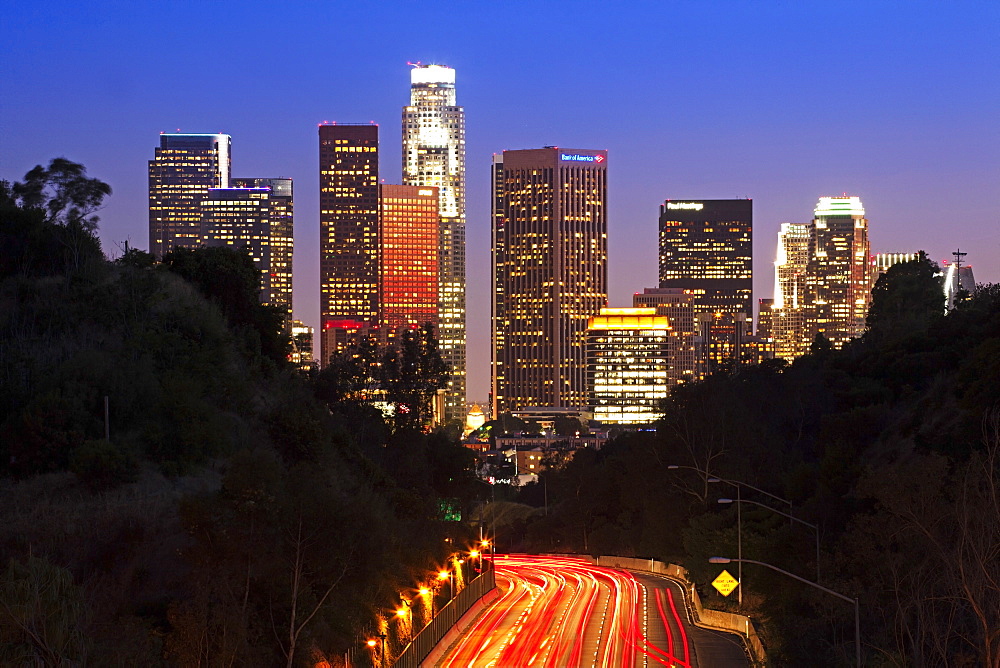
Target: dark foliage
{"points": [[889, 446], [228, 277], [239, 514]]}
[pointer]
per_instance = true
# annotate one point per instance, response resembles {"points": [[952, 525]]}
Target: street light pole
{"points": [[739, 547], [791, 517], [405, 615], [736, 483], [857, 613]]}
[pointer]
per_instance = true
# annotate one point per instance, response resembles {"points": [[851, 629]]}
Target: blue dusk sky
{"points": [[781, 101]]}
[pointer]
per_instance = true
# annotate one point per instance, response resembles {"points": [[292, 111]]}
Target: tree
{"points": [[64, 192], [906, 299], [229, 278], [411, 374], [47, 224]]}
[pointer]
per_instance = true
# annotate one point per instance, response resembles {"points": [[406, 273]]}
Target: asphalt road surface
{"points": [[560, 612]]}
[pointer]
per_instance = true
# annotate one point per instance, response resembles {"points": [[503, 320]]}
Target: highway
{"points": [[562, 611]]}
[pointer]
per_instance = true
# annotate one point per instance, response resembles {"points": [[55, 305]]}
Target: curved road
{"points": [[564, 611]]}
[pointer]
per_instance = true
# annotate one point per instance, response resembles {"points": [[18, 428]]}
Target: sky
{"points": [[781, 101]]}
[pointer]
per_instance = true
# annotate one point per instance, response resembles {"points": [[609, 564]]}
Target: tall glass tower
{"points": [[434, 155], [838, 270], [550, 244], [185, 166]]}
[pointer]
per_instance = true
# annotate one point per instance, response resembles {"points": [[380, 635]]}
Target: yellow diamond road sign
{"points": [[725, 583]]}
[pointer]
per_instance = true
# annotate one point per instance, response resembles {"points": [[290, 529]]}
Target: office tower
{"points": [[256, 215], [182, 170], [678, 306], [791, 291], [282, 228], [765, 322], [706, 246], [551, 248], [722, 341], [302, 345], [764, 334], [628, 364], [497, 260], [434, 155], [838, 273], [408, 257], [348, 221]]}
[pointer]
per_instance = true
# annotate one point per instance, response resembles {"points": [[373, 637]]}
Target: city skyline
{"points": [[909, 130]]}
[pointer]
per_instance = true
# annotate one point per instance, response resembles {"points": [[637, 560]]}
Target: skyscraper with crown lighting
{"points": [[838, 273], [434, 155]]}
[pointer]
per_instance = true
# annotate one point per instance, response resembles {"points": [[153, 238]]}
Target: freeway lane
{"points": [[563, 611]]}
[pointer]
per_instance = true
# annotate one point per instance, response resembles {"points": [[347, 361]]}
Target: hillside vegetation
{"points": [[238, 514], [890, 446]]}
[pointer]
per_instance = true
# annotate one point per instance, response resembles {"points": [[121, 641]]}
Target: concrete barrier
{"points": [[713, 619]]}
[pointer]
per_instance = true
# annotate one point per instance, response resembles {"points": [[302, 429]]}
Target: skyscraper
{"points": [[824, 277], [551, 249], [838, 273], [628, 364], [348, 221], [706, 249], [678, 306], [408, 256], [706, 246], [792, 302], [256, 214], [182, 170], [434, 155]]}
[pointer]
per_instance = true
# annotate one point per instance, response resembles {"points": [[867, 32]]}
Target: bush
{"points": [[102, 465]]}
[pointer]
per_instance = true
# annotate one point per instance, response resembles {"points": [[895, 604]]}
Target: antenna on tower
{"points": [[958, 255]]}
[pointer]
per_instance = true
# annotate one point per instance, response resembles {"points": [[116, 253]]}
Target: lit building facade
{"points": [[722, 342], [434, 155], [839, 275], [628, 364], [706, 246], [182, 170], [302, 345], [256, 215], [678, 306], [882, 261], [792, 302], [408, 257], [764, 334], [348, 221], [550, 246]]}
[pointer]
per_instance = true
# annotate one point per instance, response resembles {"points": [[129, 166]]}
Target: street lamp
{"points": [[857, 615], [446, 575], [791, 517], [405, 616], [474, 558], [736, 483], [488, 546], [380, 643]]}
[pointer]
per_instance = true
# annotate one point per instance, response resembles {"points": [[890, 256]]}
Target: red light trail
{"points": [[564, 611]]}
